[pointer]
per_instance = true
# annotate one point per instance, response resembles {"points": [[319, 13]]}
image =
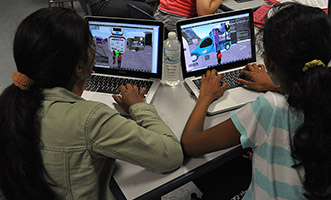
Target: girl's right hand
{"points": [[210, 86], [130, 95]]}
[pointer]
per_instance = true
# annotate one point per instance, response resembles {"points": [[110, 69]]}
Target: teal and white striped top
{"points": [[265, 125]]}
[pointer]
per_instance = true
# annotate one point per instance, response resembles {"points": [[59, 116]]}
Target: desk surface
{"points": [[174, 105], [235, 5]]}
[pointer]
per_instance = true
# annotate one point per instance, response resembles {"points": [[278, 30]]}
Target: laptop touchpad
{"points": [[242, 95], [104, 98], [109, 101], [225, 101]]}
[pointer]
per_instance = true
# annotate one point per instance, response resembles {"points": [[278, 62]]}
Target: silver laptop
{"points": [[126, 51], [224, 42]]}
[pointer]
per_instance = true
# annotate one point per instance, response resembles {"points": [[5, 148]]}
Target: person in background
{"points": [[170, 11], [117, 8], [56, 145], [288, 130]]}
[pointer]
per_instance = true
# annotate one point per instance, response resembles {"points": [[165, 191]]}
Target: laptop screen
{"points": [[127, 46], [220, 41]]}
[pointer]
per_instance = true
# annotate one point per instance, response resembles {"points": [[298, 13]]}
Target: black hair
{"points": [[294, 35], [48, 45]]}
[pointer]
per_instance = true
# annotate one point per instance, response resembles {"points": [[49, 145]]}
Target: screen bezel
{"points": [[223, 66], [120, 72]]}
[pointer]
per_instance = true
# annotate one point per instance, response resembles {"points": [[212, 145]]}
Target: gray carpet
{"points": [[12, 12]]}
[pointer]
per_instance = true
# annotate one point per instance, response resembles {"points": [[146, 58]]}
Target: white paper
{"points": [[314, 3]]}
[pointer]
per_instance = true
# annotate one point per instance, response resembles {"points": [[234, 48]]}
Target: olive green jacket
{"points": [[81, 140]]}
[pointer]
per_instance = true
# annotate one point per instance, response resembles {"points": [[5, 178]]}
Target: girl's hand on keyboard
{"points": [[210, 86], [260, 80], [129, 95]]}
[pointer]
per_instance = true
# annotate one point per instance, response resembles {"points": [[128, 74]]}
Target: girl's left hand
{"points": [[210, 86], [260, 80]]}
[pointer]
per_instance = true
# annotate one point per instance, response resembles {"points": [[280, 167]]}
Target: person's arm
{"points": [[261, 81], [196, 141], [207, 7], [145, 140]]}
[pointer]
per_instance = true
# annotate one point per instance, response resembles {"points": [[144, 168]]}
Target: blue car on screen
{"points": [[218, 39], [206, 45]]}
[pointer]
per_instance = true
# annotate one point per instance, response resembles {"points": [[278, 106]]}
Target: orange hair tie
{"points": [[22, 81]]}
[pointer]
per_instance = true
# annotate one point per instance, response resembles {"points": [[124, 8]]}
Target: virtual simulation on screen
{"points": [[216, 42], [119, 46]]}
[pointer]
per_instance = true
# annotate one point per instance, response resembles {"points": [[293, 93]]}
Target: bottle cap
{"points": [[172, 35]]}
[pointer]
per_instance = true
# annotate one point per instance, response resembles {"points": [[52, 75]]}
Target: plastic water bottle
{"points": [[171, 64]]}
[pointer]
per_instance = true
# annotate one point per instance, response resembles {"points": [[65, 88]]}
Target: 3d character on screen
{"points": [[117, 44]]}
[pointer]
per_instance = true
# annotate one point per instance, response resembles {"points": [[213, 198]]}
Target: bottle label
{"points": [[172, 71], [171, 56]]}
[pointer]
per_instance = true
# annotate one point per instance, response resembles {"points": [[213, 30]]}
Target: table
{"points": [[174, 105], [240, 4]]}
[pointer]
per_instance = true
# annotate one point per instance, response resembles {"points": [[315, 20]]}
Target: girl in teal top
{"points": [[287, 130]]}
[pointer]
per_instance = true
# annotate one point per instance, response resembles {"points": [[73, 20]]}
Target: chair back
{"points": [[138, 13], [86, 7]]}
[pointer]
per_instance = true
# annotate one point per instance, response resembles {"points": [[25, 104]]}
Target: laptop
{"points": [[126, 51], [224, 42]]}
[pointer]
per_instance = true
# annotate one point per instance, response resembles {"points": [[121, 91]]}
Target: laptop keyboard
{"points": [[229, 77], [108, 84]]}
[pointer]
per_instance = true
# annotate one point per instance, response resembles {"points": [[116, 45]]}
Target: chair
{"points": [[86, 7], [138, 13], [228, 181], [61, 2]]}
